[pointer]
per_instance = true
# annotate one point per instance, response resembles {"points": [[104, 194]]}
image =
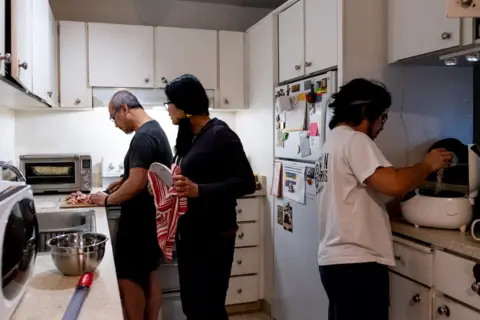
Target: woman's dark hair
{"points": [[189, 95], [357, 100]]}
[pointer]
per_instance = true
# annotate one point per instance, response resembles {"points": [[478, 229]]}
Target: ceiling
{"points": [[272, 4]]}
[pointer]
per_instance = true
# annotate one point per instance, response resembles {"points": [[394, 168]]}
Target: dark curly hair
{"points": [[357, 100]]}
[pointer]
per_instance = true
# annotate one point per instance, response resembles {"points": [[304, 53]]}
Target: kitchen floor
{"points": [[253, 316]]}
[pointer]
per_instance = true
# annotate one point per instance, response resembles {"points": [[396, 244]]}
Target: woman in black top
{"points": [[215, 172]]}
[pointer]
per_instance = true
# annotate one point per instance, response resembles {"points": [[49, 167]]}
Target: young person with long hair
{"points": [[214, 173]]}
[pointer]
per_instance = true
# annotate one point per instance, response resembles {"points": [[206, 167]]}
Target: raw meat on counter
{"points": [[78, 198]]}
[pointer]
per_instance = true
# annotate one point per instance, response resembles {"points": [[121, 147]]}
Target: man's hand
{"points": [[437, 159], [185, 187], [98, 198], [115, 185]]}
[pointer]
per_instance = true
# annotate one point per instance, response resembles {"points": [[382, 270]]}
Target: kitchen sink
{"points": [[52, 224]]}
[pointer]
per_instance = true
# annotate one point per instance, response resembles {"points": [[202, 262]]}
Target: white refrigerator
{"points": [[298, 291]]}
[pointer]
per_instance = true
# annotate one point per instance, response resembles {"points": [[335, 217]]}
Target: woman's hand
{"points": [[185, 187]]}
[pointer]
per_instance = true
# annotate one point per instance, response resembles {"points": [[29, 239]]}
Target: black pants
{"points": [[204, 267], [356, 291]]}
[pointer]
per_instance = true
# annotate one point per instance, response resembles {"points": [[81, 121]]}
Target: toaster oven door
{"points": [[52, 175], [20, 242]]}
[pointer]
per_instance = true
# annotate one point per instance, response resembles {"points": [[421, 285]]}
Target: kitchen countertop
{"points": [[450, 240], [49, 292]]}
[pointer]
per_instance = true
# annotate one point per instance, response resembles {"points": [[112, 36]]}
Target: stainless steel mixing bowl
{"points": [[76, 253]]}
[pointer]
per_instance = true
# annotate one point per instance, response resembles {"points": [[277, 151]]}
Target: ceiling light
{"points": [[451, 62], [474, 57]]}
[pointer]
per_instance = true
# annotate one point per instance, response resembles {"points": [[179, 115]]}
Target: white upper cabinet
{"points": [[420, 27], [120, 55], [74, 89], [44, 62], [321, 35], [232, 66], [22, 42], [2, 38], [291, 43], [179, 51]]}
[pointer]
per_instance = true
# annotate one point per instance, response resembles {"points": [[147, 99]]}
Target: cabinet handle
{"points": [[444, 311], [6, 57], [417, 298], [239, 291], [164, 80], [78, 101], [446, 35], [23, 65], [239, 210], [147, 80], [49, 94], [297, 67], [241, 235], [476, 287], [396, 257], [226, 101], [239, 262], [308, 64]]}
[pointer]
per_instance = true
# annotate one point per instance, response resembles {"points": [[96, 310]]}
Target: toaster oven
{"points": [[57, 173]]}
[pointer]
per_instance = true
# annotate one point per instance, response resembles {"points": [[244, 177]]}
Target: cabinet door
{"points": [[120, 55], [408, 300], [321, 35], [22, 41], [2, 36], [232, 66], [445, 309], [419, 27], [291, 43], [74, 89], [44, 63], [179, 51]]}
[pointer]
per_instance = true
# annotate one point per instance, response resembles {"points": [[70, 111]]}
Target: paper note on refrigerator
{"points": [[304, 145], [276, 188], [294, 183], [313, 130]]}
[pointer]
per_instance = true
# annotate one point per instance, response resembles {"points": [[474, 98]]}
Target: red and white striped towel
{"points": [[169, 208]]}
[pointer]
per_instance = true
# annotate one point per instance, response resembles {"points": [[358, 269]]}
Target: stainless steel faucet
{"points": [[18, 173]]}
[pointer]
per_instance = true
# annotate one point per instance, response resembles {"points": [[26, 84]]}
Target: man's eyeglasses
{"points": [[384, 118], [112, 116], [167, 103]]}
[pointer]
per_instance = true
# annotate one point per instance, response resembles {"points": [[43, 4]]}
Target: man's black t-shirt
{"points": [[149, 145]]}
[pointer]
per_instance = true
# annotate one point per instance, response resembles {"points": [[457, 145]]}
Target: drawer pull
{"points": [[239, 291], [476, 287], [417, 298], [239, 262], [444, 311], [241, 235], [396, 257], [239, 210]]}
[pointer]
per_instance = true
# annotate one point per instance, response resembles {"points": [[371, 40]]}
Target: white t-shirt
{"points": [[354, 225]]}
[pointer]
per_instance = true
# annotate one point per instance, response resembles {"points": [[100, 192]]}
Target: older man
{"points": [[137, 252]]}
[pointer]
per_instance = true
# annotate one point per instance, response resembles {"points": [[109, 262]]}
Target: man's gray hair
{"points": [[125, 97]]}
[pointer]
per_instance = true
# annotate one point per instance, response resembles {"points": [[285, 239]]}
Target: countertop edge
{"points": [[452, 241]]}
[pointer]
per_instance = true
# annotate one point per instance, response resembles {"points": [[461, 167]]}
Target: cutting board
{"points": [[65, 205]]}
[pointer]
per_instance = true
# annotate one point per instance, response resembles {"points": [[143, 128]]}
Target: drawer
{"points": [[243, 290], [454, 277], [408, 299], [445, 309], [413, 261], [245, 261], [248, 235], [248, 209]]}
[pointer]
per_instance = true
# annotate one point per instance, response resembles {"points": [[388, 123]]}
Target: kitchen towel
{"points": [[169, 208]]}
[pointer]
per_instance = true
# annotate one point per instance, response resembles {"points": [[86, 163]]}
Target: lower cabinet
{"points": [[446, 309], [408, 300]]}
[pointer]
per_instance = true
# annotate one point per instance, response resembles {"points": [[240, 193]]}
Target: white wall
{"points": [[255, 127], [84, 131], [7, 134], [429, 104], [171, 13]]}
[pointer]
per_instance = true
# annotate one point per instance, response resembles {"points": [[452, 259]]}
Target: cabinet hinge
{"points": [[59, 98], [58, 28]]}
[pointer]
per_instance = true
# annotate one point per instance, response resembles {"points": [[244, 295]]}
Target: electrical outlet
{"points": [[463, 8]]}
